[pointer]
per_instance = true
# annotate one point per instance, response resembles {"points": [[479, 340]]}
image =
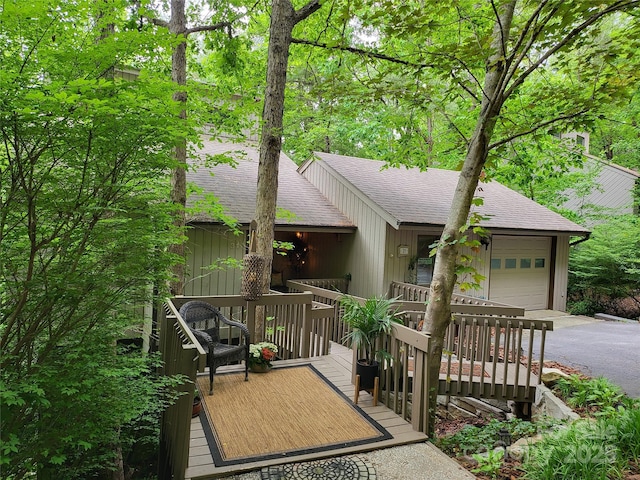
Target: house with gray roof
{"points": [[612, 187], [353, 216], [612, 191]]}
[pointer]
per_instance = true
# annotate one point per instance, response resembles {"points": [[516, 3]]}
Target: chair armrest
{"points": [[241, 326], [202, 337]]}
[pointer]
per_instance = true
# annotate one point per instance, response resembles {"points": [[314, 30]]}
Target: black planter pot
{"points": [[367, 373]]}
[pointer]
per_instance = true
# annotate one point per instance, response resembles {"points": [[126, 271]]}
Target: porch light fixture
{"points": [[252, 268], [485, 241]]}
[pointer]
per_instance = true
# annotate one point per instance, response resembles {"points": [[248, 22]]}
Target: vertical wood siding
{"points": [[613, 190], [206, 246], [396, 268], [561, 277], [367, 260]]}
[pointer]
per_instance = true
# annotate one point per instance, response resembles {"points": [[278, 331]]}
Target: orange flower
{"points": [[268, 354]]}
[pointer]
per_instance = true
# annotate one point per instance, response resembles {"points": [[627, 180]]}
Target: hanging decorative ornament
{"points": [[252, 270]]}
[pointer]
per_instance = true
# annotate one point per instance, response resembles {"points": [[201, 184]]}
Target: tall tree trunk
{"points": [[177, 26], [283, 19], [438, 312]]}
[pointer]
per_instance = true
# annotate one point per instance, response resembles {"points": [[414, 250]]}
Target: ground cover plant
{"points": [[590, 396], [603, 449], [603, 444], [473, 439]]}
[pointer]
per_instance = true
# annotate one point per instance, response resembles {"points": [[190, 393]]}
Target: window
{"points": [[424, 262], [496, 263], [525, 263], [580, 140], [510, 263], [539, 263]]}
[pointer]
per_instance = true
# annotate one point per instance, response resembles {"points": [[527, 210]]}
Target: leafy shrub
{"points": [[606, 267], [627, 426], [585, 306], [472, 439], [585, 449], [597, 395], [489, 463]]}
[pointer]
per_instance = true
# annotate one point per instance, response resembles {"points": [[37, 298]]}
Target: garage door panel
{"points": [[520, 272]]}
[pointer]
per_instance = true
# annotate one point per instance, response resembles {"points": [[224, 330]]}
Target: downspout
{"points": [[580, 240]]}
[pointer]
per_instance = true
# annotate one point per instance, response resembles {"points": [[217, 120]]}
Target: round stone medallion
{"points": [[339, 468]]}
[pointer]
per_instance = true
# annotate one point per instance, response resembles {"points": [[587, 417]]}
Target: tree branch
{"points": [[307, 10], [159, 22], [617, 6], [208, 28], [359, 51], [536, 128]]}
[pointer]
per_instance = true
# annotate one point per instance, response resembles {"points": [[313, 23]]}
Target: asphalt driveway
{"points": [[596, 347]]}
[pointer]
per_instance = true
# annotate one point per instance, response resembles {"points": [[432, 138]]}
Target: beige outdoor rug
{"points": [[287, 411]]}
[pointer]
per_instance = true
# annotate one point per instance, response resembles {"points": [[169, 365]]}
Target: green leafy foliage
{"points": [[627, 426], [615, 137], [489, 463], [606, 266], [473, 439], [598, 396], [84, 231], [583, 450], [589, 448], [367, 321]]}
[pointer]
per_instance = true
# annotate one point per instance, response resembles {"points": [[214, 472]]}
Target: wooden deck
{"points": [[337, 368]]}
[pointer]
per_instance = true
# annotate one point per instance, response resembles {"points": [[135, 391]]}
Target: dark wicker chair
{"points": [[218, 353]]}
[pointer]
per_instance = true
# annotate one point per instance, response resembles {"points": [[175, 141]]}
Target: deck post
{"points": [[417, 419], [251, 321], [306, 327]]}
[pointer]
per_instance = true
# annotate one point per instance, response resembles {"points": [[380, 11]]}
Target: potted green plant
{"points": [[197, 404], [367, 322], [261, 355]]}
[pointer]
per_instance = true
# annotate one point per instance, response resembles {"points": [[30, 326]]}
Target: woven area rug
{"points": [[287, 411]]}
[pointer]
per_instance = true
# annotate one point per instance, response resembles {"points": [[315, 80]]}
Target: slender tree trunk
{"points": [[177, 26], [283, 19], [438, 313]]}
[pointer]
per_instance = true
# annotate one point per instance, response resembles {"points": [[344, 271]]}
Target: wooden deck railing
{"points": [[181, 355], [404, 379], [492, 357], [296, 324], [418, 293], [471, 366], [329, 298]]}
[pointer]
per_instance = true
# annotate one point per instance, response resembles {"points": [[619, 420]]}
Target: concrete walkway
{"points": [[595, 347], [416, 461]]}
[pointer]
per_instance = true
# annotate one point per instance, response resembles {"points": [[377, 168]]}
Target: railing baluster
{"points": [[532, 333], [516, 357], [507, 339]]}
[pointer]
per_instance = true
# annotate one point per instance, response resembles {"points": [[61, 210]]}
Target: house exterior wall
{"points": [[561, 274], [397, 267], [612, 191], [367, 260], [206, 245]]}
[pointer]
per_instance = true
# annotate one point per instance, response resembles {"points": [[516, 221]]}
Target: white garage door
{"points": [[519, 272]]}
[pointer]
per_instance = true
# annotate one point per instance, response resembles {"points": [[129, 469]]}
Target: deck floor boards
{"points": [[336, 367]]}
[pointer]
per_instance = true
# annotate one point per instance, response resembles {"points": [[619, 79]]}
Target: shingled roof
{"points": [[235, 187], [413, 197]]}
